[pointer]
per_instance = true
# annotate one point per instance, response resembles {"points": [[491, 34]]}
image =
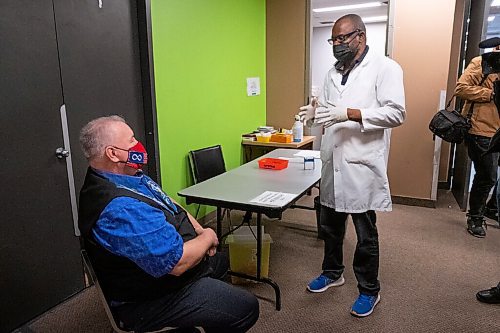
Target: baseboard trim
{"points": [[413, 201]]}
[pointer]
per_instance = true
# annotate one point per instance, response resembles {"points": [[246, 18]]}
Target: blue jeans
{"points": [[208, 302], [485, 166], [366, 256]]}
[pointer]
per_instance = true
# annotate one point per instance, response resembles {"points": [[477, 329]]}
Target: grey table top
{"points": [[237, 187]]}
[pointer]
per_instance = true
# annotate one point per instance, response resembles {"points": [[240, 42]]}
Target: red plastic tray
{"points": [[273, 163]]}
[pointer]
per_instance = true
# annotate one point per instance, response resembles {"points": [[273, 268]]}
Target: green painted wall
{"points": [[203, 52]]}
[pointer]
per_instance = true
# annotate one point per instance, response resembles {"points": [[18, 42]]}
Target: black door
{"points": [[100, 67], [62, 63], [39, 254]]}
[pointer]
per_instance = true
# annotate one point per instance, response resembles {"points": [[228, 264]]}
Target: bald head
{"points": [[348, 40], [99, 133], [353, 20], [348, 24]]}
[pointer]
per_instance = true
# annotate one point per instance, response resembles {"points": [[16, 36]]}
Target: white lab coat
{"points": [[354, 155]]}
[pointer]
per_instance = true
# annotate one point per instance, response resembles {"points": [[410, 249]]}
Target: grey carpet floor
{"points": [[430, 270]]}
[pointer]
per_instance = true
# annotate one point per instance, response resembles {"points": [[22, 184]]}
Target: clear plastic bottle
{"points": [[297, 130]]}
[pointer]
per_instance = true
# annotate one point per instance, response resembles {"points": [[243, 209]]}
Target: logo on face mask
{"points": [[137, 156]]}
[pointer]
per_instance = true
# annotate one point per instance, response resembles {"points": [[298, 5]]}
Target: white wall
{"points": [[322, 59], [322, 55]]}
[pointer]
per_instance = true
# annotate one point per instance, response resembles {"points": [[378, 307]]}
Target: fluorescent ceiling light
{"points": [[491, 18], [371, 19], [374, 19], [495, 3], [349, 7]]}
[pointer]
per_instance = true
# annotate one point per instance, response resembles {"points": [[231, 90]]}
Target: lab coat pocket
{"points": [[364, 148], [371, 172], [368, 158]]}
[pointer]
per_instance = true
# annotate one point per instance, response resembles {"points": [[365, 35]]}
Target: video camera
{"points": [[490, 63]]}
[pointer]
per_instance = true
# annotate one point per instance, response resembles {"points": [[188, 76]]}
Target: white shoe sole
{"points": [[337, 283], [369, 312]]}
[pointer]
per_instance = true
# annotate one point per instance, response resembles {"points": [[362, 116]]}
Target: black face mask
{"points": [[343, 52]]}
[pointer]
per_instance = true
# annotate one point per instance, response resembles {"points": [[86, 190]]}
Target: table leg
{"points": [[219, 227], [259, 244], [248, 153], [258, 277], [270, 282], [248, 216], [259, 263]]}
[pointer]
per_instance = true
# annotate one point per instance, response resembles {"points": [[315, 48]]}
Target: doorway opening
{"points": [[324, 13], [481, 21]]}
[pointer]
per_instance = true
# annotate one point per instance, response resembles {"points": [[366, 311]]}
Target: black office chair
{"points": [[93, 278], [206, 163]]}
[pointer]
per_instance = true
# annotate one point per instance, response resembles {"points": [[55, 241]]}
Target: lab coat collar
{"points": [[336, 76]]}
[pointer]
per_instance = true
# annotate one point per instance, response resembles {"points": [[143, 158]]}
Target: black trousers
{"points": [[366, 256], [208, 302], [485, 166]]}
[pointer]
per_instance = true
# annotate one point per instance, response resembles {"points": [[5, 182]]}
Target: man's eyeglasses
{"points": [[341, 38]]}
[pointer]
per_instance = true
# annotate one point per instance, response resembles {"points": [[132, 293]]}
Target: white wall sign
{"points": [[253, 86]]}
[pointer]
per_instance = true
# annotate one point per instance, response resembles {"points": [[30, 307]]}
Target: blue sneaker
{"points": [[322, 283], [364, 305]]}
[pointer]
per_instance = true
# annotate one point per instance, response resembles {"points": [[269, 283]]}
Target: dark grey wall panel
{"points": [[93, 60], [39, 256], [100, 66]]}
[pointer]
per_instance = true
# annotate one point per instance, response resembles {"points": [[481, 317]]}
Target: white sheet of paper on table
{"points": [[271, 198], [308, 153]]}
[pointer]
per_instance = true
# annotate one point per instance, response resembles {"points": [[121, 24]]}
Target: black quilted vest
{"points": [[120, 278]]}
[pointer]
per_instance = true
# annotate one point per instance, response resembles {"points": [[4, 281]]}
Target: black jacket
{"points": [[120, 278]]}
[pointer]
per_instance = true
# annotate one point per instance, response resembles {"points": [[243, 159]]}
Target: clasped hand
{"points": [[313, 113], [327, 116], [212, 238]]}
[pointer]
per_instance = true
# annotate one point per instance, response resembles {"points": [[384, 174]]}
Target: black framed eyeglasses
{"points": [[342, 38]]}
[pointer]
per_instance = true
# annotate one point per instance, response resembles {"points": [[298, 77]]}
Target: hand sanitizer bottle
{"points": [[297, 130]]}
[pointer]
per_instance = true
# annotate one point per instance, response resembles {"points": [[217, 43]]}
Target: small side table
{"points": [[254, 149]]}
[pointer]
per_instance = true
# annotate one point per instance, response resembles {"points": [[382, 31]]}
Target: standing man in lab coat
{"points": [[362, 99]]}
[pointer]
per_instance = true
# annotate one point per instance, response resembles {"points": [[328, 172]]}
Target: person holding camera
{"points": [[477, 89]]}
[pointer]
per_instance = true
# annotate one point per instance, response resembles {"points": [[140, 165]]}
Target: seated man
{"points": [[157, 266]]}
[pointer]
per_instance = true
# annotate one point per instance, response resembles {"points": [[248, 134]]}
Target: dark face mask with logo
{"points": [[137, 156]]}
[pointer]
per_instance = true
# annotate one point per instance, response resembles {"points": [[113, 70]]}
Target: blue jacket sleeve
{"points": [[130, 228]]}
